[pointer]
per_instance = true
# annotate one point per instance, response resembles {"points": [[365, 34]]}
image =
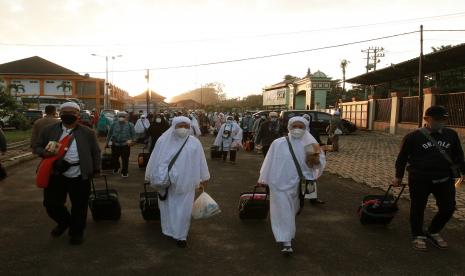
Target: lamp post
{"points": [[105, 88]]}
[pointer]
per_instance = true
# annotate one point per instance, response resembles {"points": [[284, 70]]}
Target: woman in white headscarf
{"points": [[229, 139], [190, 171], [141, 127], [280, 174], [195, 128]]}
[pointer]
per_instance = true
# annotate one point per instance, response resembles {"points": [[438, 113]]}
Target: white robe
{"points": [[234, 138], [195, 129], [280, 174], [141, 126], [186, 174]]}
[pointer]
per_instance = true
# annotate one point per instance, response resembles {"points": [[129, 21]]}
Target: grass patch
{"points": [[17, 135]]}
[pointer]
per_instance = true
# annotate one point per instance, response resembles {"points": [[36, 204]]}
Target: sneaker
{"points": [[76, 240], [316, 201], [287, 251], [115, 172], [437, 240], [124, 175], [181, 243], [419, 243], [58, 230]]}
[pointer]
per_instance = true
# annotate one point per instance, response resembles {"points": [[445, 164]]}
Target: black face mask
{"points": [[68, 119]]}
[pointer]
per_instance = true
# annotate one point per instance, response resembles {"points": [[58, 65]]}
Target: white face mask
{"points": [[121, 119], [297, 133], [158, 120], [181, 132]]}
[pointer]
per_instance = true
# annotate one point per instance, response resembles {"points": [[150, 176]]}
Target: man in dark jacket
{"points": [[269, 131], [435, 158], [80, 162]]}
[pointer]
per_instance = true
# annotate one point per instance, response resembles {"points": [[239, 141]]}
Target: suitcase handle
{"points": [[257, 187], [398, 196], [93, 185]]}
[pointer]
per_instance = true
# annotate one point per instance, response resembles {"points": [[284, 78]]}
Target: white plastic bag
{"points": [[205, 207], [338, 131]]}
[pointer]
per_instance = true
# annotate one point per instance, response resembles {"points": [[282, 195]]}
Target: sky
{"points": [[157, 34]]}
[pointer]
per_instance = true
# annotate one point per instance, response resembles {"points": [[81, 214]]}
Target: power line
{"points": [[264, 56], [411, 20]]}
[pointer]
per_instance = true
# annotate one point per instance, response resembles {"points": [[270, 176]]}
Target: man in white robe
{"points": [[141, 127], [280, 174], [195, 128], [190, 171]]}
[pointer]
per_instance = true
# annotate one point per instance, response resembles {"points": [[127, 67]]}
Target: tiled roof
{"points": [[34, 66]]}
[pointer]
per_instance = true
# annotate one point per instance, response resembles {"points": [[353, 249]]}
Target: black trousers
{"points": [[420, 188], [55, 198], [265, 150], [123, 152], [232, 155]]}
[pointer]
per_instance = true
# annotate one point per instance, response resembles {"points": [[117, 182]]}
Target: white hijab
{"points": [[278, 169], [142, 124], [189, 169], [236, 132]]}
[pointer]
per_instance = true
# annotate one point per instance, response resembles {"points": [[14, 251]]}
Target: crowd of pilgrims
{"points": [[176, 165], [167, 134]]}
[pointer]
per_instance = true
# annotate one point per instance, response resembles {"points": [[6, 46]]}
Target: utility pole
{"points": [[420, 80], [148, 91], [373, 54]]}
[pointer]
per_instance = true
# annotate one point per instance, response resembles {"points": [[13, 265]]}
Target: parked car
{"points": [[265, 112], [320, 120], [33, 114]]}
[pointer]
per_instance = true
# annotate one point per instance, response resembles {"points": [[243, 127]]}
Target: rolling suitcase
{"points": [[215, 152], [107, 160], [379, 209], [104, 204], [143, 159], [254, 205], [148, 203]]}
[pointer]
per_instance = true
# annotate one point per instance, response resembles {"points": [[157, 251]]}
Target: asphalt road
{"points": [[329, 241]]}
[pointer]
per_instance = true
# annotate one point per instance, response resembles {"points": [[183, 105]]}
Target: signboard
{"points": [[58, 87], [24, 87], [274, 97]]}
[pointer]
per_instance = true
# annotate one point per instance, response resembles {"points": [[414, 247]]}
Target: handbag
{"points": [[305, 186], [167, 183], [46, 165], [455, 169]]}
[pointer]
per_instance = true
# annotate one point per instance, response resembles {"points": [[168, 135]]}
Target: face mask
{"points": [[273, 119], [263, 117], [435, 126], [158, 120], [297, 133], [121, 119], [68, 119], [181, 132]]}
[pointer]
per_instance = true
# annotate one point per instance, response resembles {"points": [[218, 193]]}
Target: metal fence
{"points": [[383, 110], [409, 108], [455, 104]]}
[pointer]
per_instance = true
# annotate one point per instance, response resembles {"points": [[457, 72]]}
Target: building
{"points": [[139, 102], [186, 105], [309, 92], [35, 76]]}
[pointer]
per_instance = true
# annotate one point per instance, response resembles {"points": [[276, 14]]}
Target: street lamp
{"points": [[105, 93]]}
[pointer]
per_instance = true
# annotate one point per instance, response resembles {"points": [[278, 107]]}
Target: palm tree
{"points": [[343, 65]]}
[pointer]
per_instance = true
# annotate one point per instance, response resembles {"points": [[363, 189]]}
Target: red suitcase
{"points": [[254, 205]]}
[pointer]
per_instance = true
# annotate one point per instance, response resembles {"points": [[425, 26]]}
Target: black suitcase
{"points": [[215, 152], [148, 203], [254, 205], [143, 159], [104, 204], [107, 160], [379, 209]]}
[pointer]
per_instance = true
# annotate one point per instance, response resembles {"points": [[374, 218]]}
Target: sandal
{"points": [[287, 251], [437, 240], [419, 243]]}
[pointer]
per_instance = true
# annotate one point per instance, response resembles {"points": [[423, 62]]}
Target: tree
{"points": [[343, 65], [440, 48], [8, 103]]}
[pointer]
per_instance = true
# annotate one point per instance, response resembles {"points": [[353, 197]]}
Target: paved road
{"points": [[329, 241]]}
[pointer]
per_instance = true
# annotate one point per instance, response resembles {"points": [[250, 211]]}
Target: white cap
{"points": [[71, 105]]}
